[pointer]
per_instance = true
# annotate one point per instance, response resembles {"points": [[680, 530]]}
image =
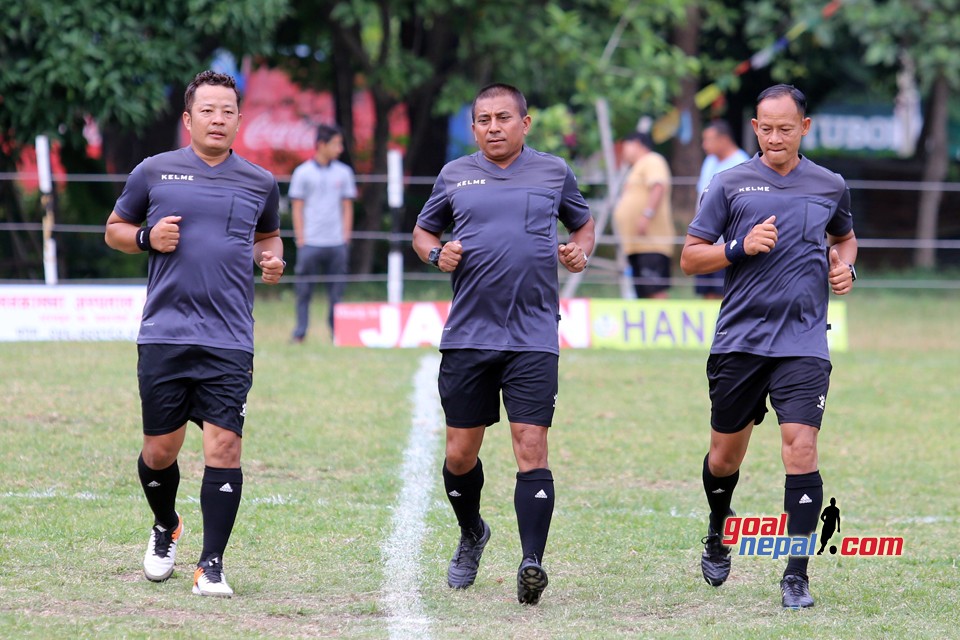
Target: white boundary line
{"points": [[401, 551]]}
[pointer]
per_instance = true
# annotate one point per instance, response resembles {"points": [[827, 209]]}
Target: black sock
{"points": [[464, 495], [533, 499], [719, 494], [219, 503], [160, 488], [802, 499]]}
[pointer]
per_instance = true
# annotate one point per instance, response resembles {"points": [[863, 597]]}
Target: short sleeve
{"points": [[270, 218], [298, 183], [436, 214], [134, 201], [574, 211]]}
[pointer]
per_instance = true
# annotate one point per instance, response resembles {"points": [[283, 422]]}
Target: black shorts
{"points": [[190, 382], [741, 382], [651, 273], [471, 381]]}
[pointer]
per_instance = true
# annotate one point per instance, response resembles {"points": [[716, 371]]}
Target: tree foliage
{"points": [[64, 59]]}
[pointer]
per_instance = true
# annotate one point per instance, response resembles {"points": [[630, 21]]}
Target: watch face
{"points": [[434, 256]]}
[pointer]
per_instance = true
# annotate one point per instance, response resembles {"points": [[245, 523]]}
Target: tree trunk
{"points": [[687, 154], [373, 195], [934, 170]]}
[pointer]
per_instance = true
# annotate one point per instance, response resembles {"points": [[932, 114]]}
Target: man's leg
{"points": [[721, 471], [336, 267], [160, 478], [220, 494], [463, 483], [802, 500], [306, 267], [533, 500]]}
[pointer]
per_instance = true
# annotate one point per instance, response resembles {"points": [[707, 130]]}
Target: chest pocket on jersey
{"points": [[242, 218], [815, 219], [541, 218]]}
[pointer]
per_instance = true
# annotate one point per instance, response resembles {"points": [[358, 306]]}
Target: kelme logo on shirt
{"points": [[466, 183], [744, 189], [176, 176]]}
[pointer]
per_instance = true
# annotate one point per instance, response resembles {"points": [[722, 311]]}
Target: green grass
{"points": [[326, 430]]}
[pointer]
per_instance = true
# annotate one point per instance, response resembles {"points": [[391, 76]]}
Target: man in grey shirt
{"points": [[504, 203], [788, 241], [322, 191], [206, 216]]}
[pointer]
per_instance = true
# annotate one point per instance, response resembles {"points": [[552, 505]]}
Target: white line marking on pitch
{"points": [[401, 551]]}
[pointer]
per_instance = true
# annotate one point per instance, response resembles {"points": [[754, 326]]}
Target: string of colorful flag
{"points": [[667, 126]]}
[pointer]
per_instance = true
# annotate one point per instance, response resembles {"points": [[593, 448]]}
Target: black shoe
{"points": [[531, 581], [715, 561], [796, 592], [466, 561]]}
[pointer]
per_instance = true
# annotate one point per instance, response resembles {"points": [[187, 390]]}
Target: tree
{"points": [[433, 55], [928, 33], [65, 60]]}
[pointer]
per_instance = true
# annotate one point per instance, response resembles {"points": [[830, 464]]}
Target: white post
{"points": [[46, 191], [395, 202]]}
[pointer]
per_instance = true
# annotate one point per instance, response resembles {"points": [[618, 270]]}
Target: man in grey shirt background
{"points": [[322, 191]]}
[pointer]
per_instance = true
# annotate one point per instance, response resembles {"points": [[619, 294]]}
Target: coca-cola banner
{"points": [[279, 126]]}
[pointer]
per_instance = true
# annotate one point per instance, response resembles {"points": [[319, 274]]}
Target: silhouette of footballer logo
{"points": [[831, 521]]}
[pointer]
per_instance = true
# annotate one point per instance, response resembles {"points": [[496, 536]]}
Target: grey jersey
{"points": [[323, 190], [505, 290], [775, 304], [202, 292]]}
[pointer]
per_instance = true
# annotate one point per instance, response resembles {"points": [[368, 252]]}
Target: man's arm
{"points": [[347, 220], [843, 255], [122, 235], [702, 256], [268, 255], [296, 210], [425, 241], [575, 252]]}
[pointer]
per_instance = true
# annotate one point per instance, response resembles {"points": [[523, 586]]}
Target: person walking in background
{"points": [[790, 241], [502, 331], [722, 153], [209, 217], [643, 217], [322, 191]]}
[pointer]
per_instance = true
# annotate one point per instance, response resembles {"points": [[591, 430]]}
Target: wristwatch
{"points": [[853, 272], [434, 256]]}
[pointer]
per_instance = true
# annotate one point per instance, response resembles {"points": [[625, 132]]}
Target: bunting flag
{"points": [[666, 127]]}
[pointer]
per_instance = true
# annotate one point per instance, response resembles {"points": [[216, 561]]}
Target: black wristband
{"points": [[734, 251], [143, 238]]}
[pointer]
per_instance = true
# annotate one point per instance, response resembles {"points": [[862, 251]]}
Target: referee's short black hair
{"points": [[500, 89], [779, 90], [208, 77], [326, 133], [642, 137]]}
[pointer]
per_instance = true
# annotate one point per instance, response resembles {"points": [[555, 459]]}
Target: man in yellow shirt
{"points": [[643, 217]]}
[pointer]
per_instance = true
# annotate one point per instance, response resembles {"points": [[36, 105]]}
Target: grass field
{"points": [[325, 439]]}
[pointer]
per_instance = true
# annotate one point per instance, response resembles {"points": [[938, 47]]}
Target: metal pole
{"points": [[44, 174], [395, 202]]}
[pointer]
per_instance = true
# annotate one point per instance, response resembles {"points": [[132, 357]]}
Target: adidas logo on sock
{"points": [[153, 483], [226, 488], [541, 494], [718, 491], [805, 499], [454, 494]]}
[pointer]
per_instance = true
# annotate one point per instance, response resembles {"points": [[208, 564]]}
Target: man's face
{"points": [[710, 142], [499, 129], [331, 149], [780, 129], [213, 120]]}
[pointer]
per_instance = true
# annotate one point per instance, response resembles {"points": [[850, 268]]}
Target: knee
{"points": [[800, 456], [722, 465], [158, 456], [460, 462], [223, 451]]}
